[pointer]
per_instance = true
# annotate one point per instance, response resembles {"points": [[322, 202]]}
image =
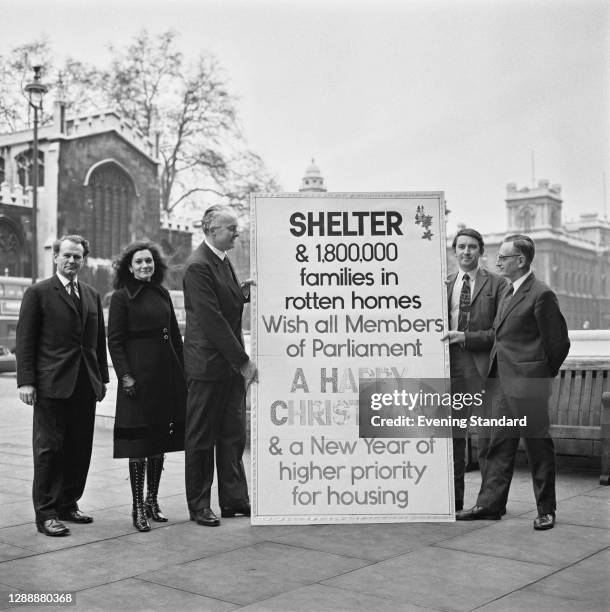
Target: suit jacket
{"points": [[479, 337], [531, 340], [214, 302], [53, 338]]}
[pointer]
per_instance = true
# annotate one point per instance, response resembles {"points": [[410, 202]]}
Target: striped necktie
{"points": [[464, 313], [74, 296]]}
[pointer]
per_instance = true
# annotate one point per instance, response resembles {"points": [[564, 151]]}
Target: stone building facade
{"points": [[97, 177], [573, 258]]}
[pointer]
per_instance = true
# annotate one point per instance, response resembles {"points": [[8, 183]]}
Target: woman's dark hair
{"points": [[123, 261]]}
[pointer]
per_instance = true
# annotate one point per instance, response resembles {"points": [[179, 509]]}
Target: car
{"points": [[8, 363]]}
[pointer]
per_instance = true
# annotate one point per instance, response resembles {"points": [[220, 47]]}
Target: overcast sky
{"points": [[388, 95]]}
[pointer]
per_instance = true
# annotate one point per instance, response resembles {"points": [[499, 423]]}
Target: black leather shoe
{"points": [[75, 516], [544, 521], [477, 513], [205, 517], [52, 527], [244, 510]]}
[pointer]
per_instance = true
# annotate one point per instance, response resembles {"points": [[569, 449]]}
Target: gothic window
{"points": [[110, 199], [555, 218], [25, 170], [527, 219], [11, 250], [555, 275]]}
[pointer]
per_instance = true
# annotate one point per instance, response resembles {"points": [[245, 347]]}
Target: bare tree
{"points": [[186, 107], [183, 106], [78, 84], [15, 72]]}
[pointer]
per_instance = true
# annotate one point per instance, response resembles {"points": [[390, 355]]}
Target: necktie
{"points": [[75, 298], [229, 269], [464, 304], [507, 297]]}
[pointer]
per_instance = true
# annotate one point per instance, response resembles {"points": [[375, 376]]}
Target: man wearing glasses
{"points": [[531, 343], [218, 371]]}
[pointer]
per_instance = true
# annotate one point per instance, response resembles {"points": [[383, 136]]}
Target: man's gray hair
{"points": [[525, 246], [211, 214]]}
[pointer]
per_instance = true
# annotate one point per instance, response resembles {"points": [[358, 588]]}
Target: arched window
{"points": [[11, 249], [110, 199], [24, 163], [527, 217]]}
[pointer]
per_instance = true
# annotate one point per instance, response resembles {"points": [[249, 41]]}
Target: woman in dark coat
{"points": [[146, 349]]}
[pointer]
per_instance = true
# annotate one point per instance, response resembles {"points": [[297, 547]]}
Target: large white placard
{"points": [[350, 289]]}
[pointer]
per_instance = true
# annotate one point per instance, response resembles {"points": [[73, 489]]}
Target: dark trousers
{"points": [[215, 422], [465, 378], [539, 447], [62, 441]]}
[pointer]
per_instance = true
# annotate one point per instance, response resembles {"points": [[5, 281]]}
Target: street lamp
{"points": [[36, 91]]}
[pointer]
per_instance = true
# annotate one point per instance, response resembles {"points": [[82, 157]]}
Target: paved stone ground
{"points": [[491, 566]]}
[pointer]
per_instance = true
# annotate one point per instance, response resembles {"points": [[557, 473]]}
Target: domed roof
{"points": [[312, 181], [312, 169]]}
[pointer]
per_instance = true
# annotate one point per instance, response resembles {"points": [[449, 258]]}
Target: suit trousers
{"points": [[465, 378], [539, 447], [62, 442], [215, 422]]}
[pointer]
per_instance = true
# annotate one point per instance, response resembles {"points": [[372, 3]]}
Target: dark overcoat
{"points": [[53, 339], [479, 335], [531, 341], [144, 341], [214, 302]]}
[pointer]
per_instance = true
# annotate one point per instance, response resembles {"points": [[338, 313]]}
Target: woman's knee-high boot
{"points": [[153, 476], [137, 470]]}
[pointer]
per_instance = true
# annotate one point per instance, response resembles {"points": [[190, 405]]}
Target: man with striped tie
{"points": [[474, 294], [61, 371]]}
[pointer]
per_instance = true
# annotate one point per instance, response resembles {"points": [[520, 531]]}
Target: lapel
{"points": [[84, 299], [133, 288], [515, 300], [481, 279], [233, 274], [221, 270], [450, 282], [63, 294]]}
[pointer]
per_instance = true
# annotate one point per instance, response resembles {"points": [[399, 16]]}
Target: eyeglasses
{"points": [[503, 257]]}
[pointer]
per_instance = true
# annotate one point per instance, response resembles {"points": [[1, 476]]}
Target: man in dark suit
{"points": [[219, 372], [61, 370], [531, 343], [473, 295]]}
